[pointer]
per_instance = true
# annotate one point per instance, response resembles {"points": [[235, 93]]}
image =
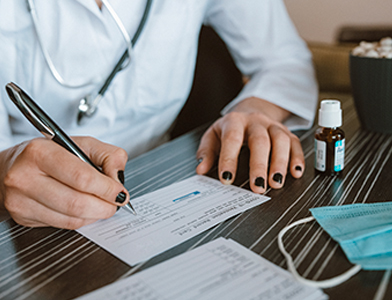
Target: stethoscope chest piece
{"points": [[87, 107]]}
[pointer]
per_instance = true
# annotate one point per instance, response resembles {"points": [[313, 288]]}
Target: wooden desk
{"points": [[47, 263]]}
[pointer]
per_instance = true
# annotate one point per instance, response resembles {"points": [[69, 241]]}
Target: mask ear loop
{"points": [[328, 283]]}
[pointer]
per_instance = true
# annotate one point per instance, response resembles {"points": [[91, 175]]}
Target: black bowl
{"points": [[371, 83]]}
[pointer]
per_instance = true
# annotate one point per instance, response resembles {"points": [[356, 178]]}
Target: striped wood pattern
{"points": [[48, 263]]}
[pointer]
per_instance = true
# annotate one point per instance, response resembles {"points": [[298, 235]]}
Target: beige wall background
{"points": [[319, 20]]}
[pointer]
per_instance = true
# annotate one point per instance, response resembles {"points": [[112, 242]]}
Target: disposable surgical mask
{"points": [[363, 231]]}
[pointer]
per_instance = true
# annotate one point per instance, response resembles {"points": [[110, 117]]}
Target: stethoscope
{"points": [[88, 105]]}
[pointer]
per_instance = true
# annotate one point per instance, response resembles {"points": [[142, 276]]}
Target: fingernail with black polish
{"points": [[200, 160], [227, 175], [121, 197], [260, 182], [120, 176], [298, 168], [278, 178]]}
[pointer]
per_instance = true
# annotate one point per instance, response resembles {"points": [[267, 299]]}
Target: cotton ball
{"points": [[381, 49], [367, 46], [372, 53], [386, 42], [384, 49], [388, 55], [359, 51]]}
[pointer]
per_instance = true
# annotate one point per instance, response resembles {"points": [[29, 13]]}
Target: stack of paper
{"points": [[221, 269]]}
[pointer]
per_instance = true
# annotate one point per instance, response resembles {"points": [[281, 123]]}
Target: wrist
{"points": [[258, 105], [3, 171], [7, 157]]}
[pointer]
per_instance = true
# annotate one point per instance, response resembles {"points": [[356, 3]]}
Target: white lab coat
{"points": [[144, 99]]}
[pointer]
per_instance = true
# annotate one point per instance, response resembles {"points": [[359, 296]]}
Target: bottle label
{"points": [[320, 151], [339, 155]]}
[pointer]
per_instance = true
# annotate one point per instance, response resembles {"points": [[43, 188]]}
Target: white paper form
{"points": [[168, 217], [221, 269]]}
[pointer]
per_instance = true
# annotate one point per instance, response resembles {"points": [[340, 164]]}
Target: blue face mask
{"points": [[363, 231]]}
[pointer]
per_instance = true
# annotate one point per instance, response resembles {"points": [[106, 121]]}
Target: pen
{"points": [[47, 126]]}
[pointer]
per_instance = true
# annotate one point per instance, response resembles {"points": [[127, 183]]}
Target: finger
{"points": [[208, 150], [232, 139], [259, 146], [280, 153], [70, 202], [297, 160], [112, 159], [68, 169], [56, 197], [39, 215]]}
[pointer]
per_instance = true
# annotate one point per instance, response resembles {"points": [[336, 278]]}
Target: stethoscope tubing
{"points": [[117, 68]]}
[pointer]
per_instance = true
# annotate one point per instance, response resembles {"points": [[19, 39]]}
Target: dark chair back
{"points": [[217, 81]]}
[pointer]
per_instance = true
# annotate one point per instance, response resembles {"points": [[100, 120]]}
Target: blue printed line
{"points": [[187, 196]]}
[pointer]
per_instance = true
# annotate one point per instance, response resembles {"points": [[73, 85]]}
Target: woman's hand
{"points": [[258, 124], [42, 184]]}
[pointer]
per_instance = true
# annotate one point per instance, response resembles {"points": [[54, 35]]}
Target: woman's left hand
{"points": [[257, 123]]}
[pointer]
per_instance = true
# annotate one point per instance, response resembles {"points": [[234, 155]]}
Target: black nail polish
{"points": [[118, 208], [260, 182], [298, 168], [200, 160], [120, 176], [227, 175], [278, 178], [121, 198]]}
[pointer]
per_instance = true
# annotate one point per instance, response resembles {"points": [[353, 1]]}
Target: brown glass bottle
{"points": [[334, 139], [329, 142]]}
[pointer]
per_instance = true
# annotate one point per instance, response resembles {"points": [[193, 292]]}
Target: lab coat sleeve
{"points": [[5, 131], [268, 50]]}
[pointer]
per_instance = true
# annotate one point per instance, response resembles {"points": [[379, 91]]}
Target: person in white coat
{"points": [[61, 51]]}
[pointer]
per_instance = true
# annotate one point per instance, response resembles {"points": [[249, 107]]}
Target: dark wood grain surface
{"points": [[48, 263]]}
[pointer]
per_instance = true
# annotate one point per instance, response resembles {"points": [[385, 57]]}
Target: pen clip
{"points": [[24, 103]]}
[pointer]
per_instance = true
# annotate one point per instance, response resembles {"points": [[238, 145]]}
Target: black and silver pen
{"points": [[47, 126]]}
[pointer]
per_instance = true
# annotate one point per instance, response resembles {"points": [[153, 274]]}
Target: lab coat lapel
{"points": [[92, 6]]}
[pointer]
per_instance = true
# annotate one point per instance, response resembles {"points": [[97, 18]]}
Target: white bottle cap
{"points": [[330, 114]]}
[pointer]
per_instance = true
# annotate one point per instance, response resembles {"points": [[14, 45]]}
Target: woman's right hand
{"points": [[42, 184]]}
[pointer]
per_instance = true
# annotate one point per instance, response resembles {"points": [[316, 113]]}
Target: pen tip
{"points": [[129, 208]]}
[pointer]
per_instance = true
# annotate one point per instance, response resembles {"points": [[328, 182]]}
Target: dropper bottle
{"points": [[329, 143]]}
